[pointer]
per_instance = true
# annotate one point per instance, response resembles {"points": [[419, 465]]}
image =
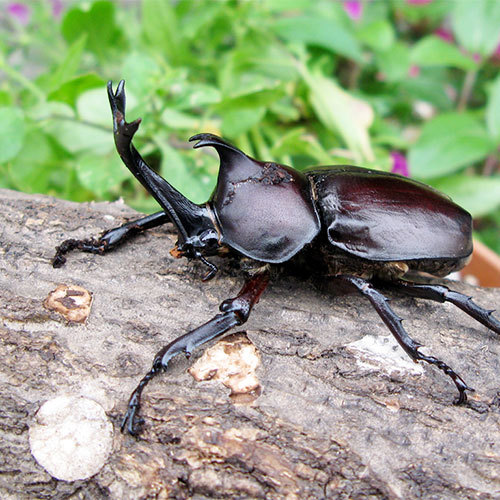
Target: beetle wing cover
{"points": [[382, 216]]}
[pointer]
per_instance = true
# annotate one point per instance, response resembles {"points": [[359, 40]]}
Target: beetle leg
{"points": [[234, 312], [394, 323], [108, 239], [441, 293]]}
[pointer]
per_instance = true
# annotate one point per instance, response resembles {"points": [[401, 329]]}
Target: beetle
{"points": [[354, 226]]}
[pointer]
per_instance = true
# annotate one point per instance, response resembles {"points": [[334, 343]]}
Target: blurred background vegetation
{"points": [[410, 86]]}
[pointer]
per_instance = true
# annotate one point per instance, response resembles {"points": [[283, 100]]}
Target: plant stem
{"points": [[470, 79], [491, 164], [20, 78]]}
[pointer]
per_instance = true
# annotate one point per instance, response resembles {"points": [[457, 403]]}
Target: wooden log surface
{"points": [[335, 411]]}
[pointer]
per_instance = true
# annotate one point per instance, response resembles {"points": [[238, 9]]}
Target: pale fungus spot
{"points": [[71, 437], [72, 302], [233, 361], [383, 352]]}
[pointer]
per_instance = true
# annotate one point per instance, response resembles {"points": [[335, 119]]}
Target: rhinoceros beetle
{"points": [[352, 226]]}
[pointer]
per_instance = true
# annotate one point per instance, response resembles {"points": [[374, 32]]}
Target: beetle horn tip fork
{"points": [[117, 102]]}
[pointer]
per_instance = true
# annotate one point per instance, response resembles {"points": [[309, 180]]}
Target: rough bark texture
{"points": [[325, 424]]}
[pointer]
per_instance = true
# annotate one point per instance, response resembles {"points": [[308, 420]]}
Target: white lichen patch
{"points": [[383, 352], [72, 302], [233, 361], [71, 437]]}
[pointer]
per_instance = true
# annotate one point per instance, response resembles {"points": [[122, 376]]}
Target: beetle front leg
{"points": [[108, 239], [394, 323], [441, 293], [234, 312]]}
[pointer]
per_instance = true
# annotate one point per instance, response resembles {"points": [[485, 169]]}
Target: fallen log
{"points": [[310, 399]]}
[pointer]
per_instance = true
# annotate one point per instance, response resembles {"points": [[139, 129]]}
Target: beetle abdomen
{"points": [[386, 217]]}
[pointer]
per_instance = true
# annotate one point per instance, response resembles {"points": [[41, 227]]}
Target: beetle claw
{"points": [[213, 269], [132, 422]]}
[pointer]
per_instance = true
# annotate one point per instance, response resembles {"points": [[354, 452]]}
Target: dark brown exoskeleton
{"points": [[353, 225]]}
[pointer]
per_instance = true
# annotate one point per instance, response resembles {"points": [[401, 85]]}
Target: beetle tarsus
{"points": [[110, 239], [394, 323], [131, 421], [213, 269], [234, 313], [87, 245]]}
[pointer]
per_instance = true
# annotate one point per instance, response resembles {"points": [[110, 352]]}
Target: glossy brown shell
{"points": [[264, 210], [386, 217]]}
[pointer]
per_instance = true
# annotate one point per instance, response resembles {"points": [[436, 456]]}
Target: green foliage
{"points": [[448, 143], [301, 82]]}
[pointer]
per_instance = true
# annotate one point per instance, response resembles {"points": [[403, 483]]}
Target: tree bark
{"points": [[320, 417]]}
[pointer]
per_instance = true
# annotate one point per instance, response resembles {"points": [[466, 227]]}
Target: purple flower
{"points": [[444, 34], [57, 7], [354, 9], [399, 164], [414, 71], [496, 55], [20, 12]]}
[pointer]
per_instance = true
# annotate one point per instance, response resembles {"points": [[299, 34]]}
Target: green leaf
{"points": [[429, 13], [321, 32], [141, 72], [489, 233], [258, 57], [179, 120], [476, 25], [72, 134], [31, 168], [493, 110], [394, 63], [246, 83], [6, 99], [97, 24], [341, 112], [100, 173], [287, 5], [448, 143], [161, 29], [196, 95], [479, 195], [263, 97], [74, 24], [69, 91], [69, 65], [238, 121], [433, 51], [297, 142], [428, 85], [176, 170], [11, 132], [285, 110], [378, 35], [195, 21], [93, 107]]}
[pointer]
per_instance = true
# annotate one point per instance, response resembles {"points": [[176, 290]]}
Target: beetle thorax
{"points": [[264, 210]]}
